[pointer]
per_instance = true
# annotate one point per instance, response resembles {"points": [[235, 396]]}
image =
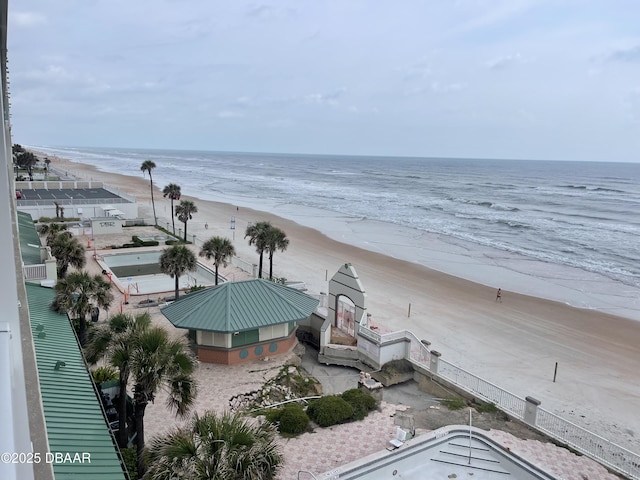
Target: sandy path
{"points": [[514, 344]]}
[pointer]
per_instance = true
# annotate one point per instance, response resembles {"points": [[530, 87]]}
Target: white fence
{"points": [[35, 272], [600, 449], [606, 452], [489, 392]]}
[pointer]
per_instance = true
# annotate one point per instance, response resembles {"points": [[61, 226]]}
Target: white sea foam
{"points": [[558, 230]]}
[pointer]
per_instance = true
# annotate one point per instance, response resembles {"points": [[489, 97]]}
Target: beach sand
{"points": [[514, 344]]}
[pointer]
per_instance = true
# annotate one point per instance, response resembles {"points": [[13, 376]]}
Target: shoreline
{"points": [[513, 344], [482, 264]]}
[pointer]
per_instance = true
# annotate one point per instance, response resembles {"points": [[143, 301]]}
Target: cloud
{"points": [[625, 55], [632, 105], [230, 114], [281, 123], [27, 19], [505, 61], [437, 87], [269, 12], [419, 70], [332, 99]]}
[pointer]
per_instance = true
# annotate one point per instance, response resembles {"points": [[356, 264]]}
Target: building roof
{"points": [[238, 306], [449, 452], [29, 240], [73, 413]]}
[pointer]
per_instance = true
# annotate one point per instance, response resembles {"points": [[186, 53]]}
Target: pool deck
{"points": [[326, 448]]}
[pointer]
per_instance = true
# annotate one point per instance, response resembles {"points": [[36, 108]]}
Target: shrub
{"points": [[293, 419], [273, 414], [130, 461], [361, 402], [104, 374], [329, 410]]}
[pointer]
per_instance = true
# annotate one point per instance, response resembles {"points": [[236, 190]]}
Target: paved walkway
{"points": [[328, 448]]}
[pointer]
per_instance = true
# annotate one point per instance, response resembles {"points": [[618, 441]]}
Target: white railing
{"points": [[243, 265], [370, 335], [600, 449], [584, 441], [35, 272], [419, 353], [503, 399]]}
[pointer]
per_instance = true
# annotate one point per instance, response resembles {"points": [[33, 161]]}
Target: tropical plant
{"points": [[106, 373], [114, 342], [47, 166], [26, 160], [79, 293], [219, 447], [184, 212], [148, 166], [275, 239], [175, 261], [50, 230], [257, 234], [157, 362], [68, 251], [173, 192], [220, 249]]}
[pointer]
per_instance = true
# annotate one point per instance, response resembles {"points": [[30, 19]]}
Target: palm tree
{"points": [[218, 248], [173, 192], [68, 251], [276, 239], [51, 230], [158, 361], [79, 294], [177, 260], [257, 234], [216, 447], [114, 341], [148, 166], [184, 212], [47, 163]]}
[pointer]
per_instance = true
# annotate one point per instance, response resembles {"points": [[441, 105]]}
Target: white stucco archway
{"points": [[345, 283]]}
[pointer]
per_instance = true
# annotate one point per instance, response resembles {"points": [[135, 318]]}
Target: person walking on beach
{"points": [[499, 295]]}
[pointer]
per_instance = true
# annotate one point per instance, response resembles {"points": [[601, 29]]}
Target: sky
{"points": [[526, 79]]}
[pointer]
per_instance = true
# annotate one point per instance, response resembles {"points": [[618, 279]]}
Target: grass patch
{"points": [[454, 403], [487, 408]]}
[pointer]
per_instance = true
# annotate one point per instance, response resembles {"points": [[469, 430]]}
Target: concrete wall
{"points": [[246, 353]]}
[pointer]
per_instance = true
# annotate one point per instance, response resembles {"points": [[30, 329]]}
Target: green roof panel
{"points": [[239, 306], [29, 240], [72, 410]]}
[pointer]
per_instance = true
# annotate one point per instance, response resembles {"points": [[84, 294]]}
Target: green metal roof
{"points": [[73, 413], [28, 236], [238, 306]]}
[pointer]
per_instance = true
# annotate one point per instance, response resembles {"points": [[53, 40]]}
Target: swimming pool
{"points": [[138, 273]]}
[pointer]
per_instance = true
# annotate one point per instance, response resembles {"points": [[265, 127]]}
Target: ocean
{"points": [[567, 231]]}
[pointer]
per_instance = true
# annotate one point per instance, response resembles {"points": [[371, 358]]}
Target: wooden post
{"points": [[555, 372], [409, 312]]}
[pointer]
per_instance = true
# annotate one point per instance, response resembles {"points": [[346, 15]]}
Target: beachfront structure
{"points": [[76, 199], [449, 452], [242, 321]]}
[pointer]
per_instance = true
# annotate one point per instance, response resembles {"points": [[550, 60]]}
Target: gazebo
{"points": [[241, 321]]}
